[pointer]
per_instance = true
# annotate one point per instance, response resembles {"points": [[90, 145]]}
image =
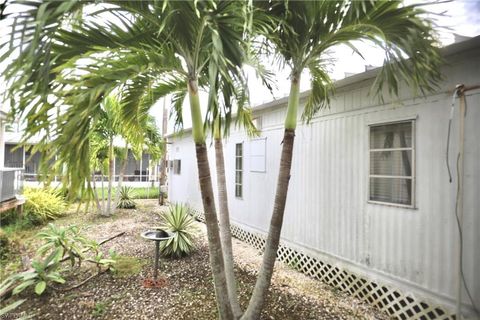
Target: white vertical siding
{"points": [[327, 211]]}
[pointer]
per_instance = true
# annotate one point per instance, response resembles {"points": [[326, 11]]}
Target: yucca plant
{"points": [[126, 199], [178, 221], [43, 204]]}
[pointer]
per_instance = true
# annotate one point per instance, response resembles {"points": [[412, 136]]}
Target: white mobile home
{"points": [[370, 207]]}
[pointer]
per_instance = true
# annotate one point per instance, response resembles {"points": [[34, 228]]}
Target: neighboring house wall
{"points": [[328, 214], [137, 170], [11, 172], [2, 138]]}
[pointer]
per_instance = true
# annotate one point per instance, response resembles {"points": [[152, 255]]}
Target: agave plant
{"points": [[126, 199], [178, 221]]}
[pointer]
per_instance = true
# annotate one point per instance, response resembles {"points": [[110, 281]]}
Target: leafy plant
{"points": [[43, 272], [126, 199], [178, 221], [43, 204], [65, 241], [99, 257], [60, 244], [5, 310]]}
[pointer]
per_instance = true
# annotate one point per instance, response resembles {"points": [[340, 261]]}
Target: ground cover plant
{"points": [[59, 245]]}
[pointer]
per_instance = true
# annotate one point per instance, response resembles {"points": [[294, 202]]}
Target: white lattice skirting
{"points": [[386, 298]]}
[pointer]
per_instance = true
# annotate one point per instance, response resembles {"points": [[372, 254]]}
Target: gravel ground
{"points": [[189, 292]]}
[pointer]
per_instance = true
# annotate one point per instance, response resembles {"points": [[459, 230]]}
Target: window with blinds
{"points": [[238, 170], [392, 154]]}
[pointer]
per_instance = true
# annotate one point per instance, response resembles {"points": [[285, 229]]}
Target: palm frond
{"points": [[308, 30]]}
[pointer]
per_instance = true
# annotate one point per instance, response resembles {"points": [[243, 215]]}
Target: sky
{"points": [[454, 17]]}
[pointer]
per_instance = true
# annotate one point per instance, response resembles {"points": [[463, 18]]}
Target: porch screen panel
{"points": [[13, 156]]}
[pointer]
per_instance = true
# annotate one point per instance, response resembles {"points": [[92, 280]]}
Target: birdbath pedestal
{"points": [[157, 235]]}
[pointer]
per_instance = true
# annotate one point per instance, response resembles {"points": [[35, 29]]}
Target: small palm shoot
{"points": [[178, 221]]}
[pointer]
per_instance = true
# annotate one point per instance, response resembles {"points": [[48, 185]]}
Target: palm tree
{"points": [[108, 128], [160, 48], [230, 94], [307, 32]]}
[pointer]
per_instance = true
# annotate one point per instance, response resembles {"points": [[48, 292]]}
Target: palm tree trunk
{"points": [[95, 194], [121, 175], [266, 270], [103, 192], [163, 162], [213, 236], [110, 176], [225, 234]]}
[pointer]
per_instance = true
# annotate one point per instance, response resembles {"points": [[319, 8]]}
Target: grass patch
{"points": [[137, 193], [99, 309], [127, 266]]}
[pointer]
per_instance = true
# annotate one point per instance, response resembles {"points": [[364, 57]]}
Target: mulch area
{"points": [[187, 291]]}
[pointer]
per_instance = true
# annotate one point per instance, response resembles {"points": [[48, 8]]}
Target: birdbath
{"points": [[157, 235]]}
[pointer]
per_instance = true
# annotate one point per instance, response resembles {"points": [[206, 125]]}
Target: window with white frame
{"points": [[392, 154], [239, 170]]}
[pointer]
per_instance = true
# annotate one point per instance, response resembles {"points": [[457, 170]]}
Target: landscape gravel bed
{"points": [[188, 293]]}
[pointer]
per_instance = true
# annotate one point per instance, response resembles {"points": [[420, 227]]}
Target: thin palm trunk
{"points": [[163, 163], [266, 270], [213, 235], [123, 168], [110, 176], [95, 194], [225, 234], [103, 192]]}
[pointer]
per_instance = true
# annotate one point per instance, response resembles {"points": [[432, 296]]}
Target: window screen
{"points": [[239, 170], [391, 163]]}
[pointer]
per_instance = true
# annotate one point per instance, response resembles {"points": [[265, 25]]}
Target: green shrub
{"points": [[180, 222], [8, 217], [4, 248], [43, 204], [126, 199]]}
